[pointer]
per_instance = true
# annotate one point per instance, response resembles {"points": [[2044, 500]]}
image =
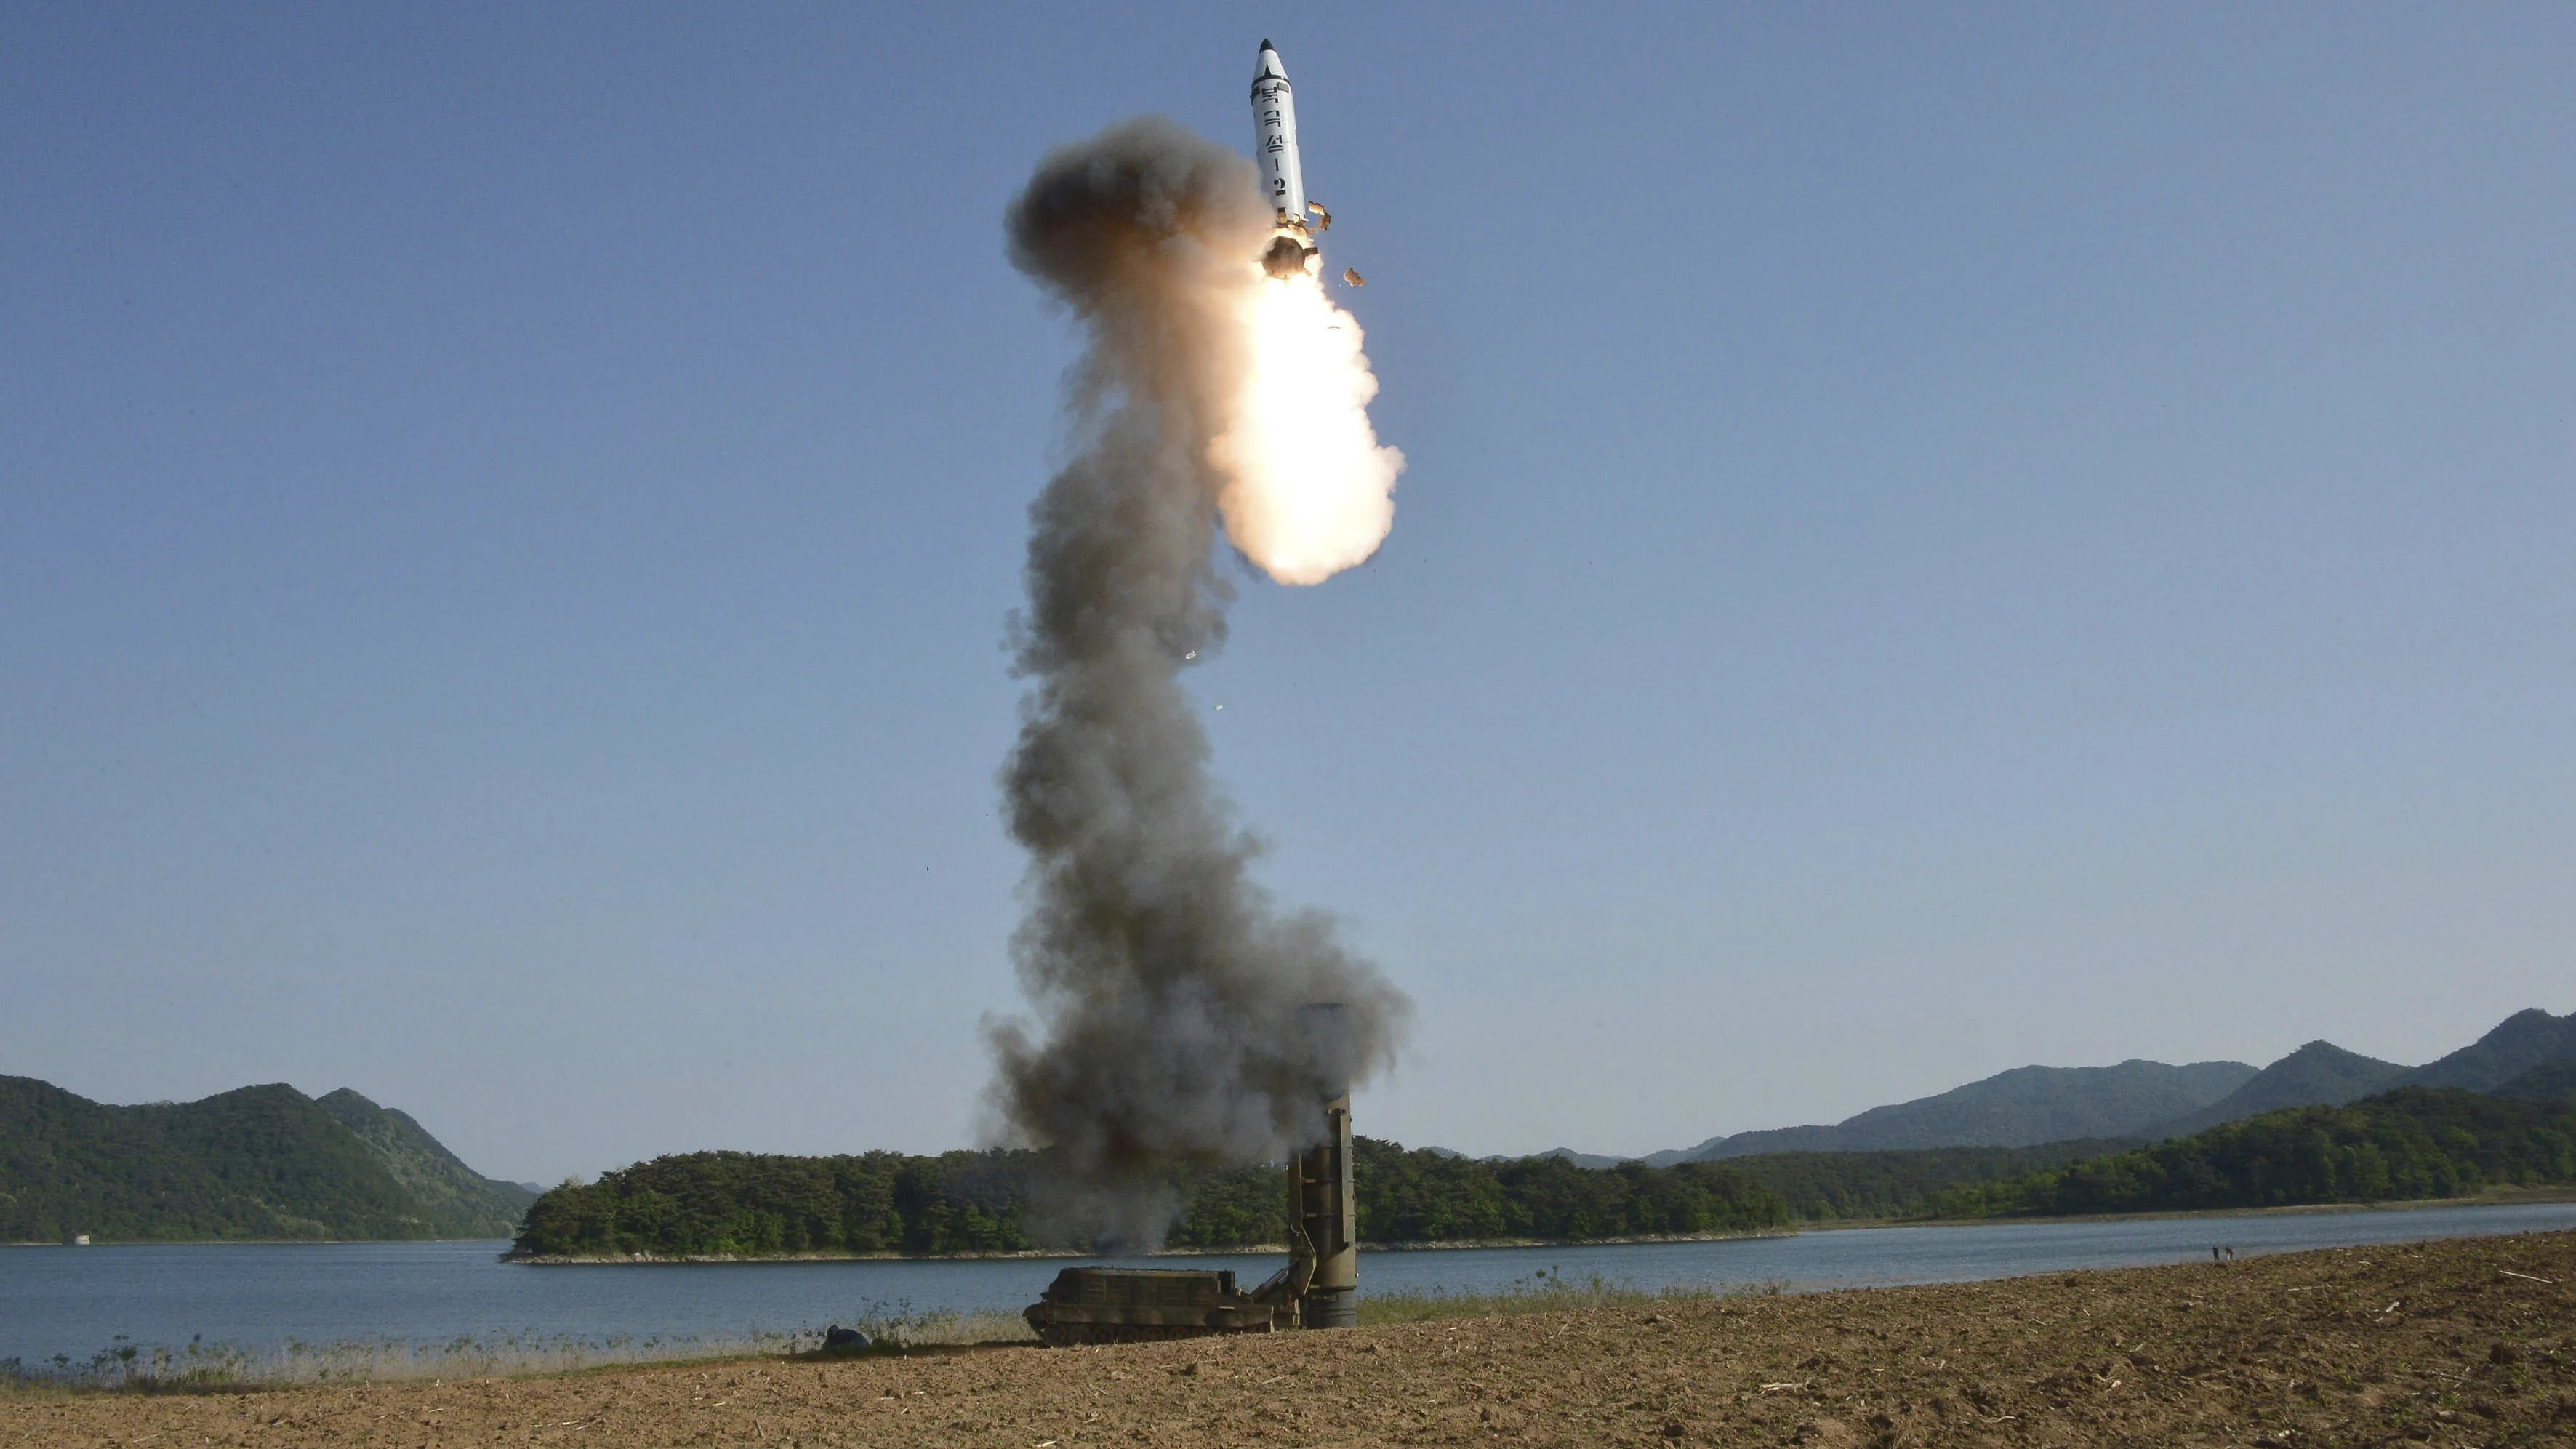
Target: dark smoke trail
{"points": [[1168, 984]]}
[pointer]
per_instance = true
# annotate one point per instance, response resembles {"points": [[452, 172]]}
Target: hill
{"points": [[2029, 1106], [2023, 1107], [2548, 1082], [2413, 1142], [257, 1163], [2519, 1043], [459, 1201], [2319, 1074]]}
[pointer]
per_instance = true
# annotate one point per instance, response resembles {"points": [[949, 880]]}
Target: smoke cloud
{"points": [[1166, 982]]}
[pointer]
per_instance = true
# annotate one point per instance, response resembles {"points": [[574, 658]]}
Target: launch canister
{"points": [[1274, 156]]}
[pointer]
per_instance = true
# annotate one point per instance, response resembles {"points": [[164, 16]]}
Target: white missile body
{"points": [[1274, 139], [1283, 181]]}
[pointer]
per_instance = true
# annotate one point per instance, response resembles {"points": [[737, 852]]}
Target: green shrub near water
{"points": [[1546, 1291]]}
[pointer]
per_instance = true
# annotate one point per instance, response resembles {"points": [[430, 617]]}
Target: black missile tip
{"points": [[1265, 45]]}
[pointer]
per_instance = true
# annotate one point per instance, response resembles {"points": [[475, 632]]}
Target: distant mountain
{"points": [[2032, 1105], [2319, 1074], [1775, 1139], [2019, 1108], [461, 1202], [2519, 1043], [260, 1162]]}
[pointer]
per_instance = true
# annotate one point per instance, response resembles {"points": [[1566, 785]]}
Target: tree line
{"points": [[2415, 1142], [747, 1204], [2411, 1143]]}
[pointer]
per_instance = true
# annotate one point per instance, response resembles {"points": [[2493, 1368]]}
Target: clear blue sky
{"points": [[1936, 539]]}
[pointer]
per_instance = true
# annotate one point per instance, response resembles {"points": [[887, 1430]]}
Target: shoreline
{"points": [[241, 1243], [1249, 1250], [2505, 1197], [2496, 1198], [2454, 1341]]}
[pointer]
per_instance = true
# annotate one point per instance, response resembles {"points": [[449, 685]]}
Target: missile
{"points": [[1274, 149]]}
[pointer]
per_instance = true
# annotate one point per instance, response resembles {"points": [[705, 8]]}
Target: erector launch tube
{"points": [[1321, 1180], [1274, 139], [1320, 1200]]}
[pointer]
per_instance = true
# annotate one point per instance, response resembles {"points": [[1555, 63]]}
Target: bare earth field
{"points": [[2471, 1341]]}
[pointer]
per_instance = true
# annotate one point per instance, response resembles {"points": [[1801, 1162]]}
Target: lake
{"points": [[426, 1298]]}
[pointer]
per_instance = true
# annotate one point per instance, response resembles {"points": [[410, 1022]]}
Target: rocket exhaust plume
{"points": [[1166, 983], [1308, 490]]}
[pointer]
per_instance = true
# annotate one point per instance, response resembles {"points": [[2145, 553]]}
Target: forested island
{"points": [[2412, 1143], [711, 1204]]}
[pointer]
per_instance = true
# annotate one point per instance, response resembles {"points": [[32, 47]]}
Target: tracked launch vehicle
{"points": [[1318, 1289], [1141, 1305]]}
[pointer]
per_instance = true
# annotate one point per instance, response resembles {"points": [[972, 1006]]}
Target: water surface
{"points": [[262, 1297]]}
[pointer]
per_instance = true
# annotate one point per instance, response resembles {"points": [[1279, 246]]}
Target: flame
{"points": [[1311, 488]]}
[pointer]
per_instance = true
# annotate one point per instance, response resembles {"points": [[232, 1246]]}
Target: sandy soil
{"points": [[2465, 1342]]}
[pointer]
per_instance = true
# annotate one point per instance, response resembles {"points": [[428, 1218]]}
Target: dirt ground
{"points": [[2471, 1341]]}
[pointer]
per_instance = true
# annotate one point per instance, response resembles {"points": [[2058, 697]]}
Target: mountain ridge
{"points": [[2021, 1107], [2014, 1108], [2319, 1074], [2522, 1041], [254, 1163], [2544, 1083], [457, 1196]]}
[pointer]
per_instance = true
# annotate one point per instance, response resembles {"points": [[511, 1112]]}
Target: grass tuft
{"points": [[896, 1332], [128, 1367], [1546, 1291]]}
